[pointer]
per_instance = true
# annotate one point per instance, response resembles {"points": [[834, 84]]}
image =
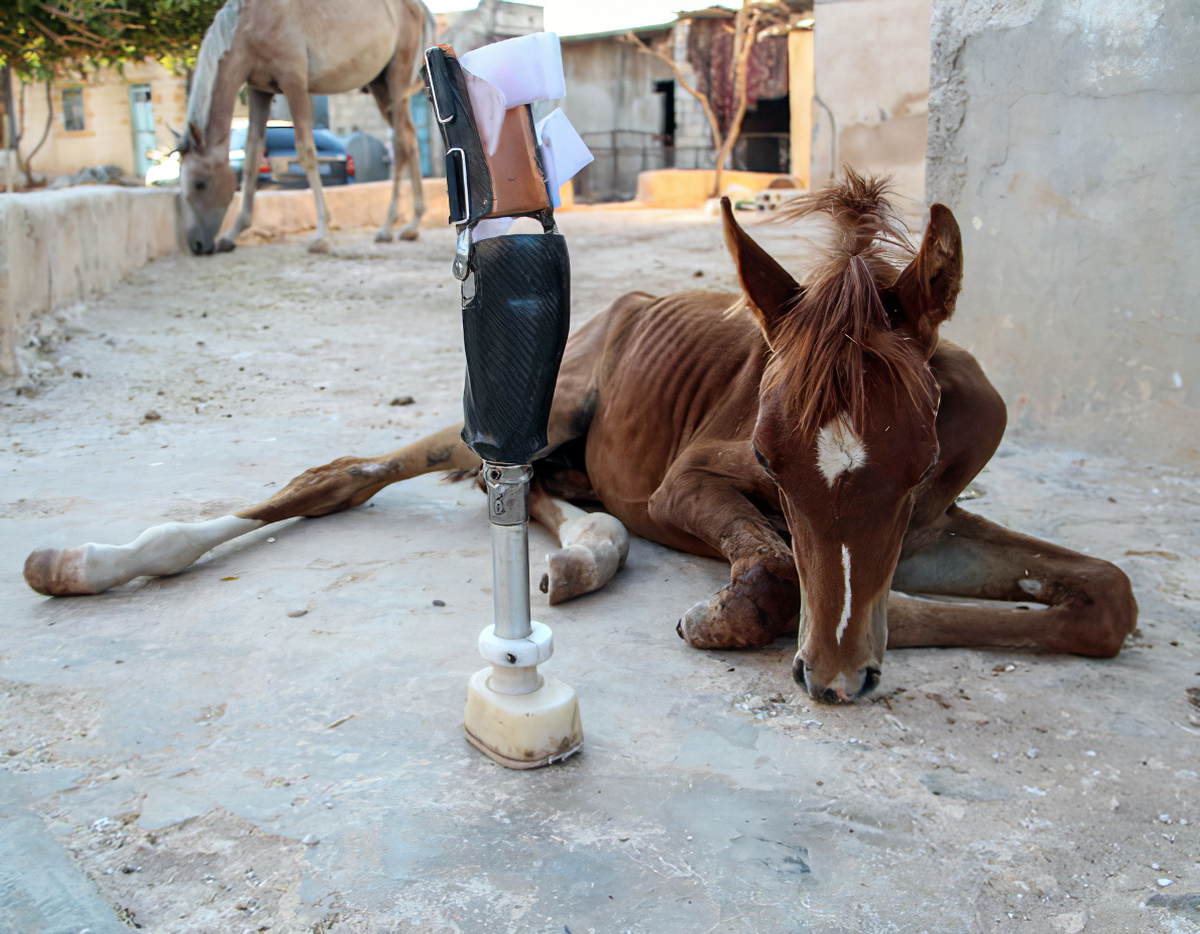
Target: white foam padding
{"points": [[524, 69], [563, 151]]}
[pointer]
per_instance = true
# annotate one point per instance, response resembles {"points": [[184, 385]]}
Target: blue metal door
{"points": [[141, 118]]}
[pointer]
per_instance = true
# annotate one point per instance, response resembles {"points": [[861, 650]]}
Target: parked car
{"points": [[280, 164]]}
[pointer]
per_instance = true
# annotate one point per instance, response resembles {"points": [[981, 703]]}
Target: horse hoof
{"points": [[58, 572], [726, 621], [409, 234], [384, 236], [226, 245], [319, 246]]}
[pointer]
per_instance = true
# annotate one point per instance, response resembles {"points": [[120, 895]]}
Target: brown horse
{"points": [[816, 438], [296, 48]]}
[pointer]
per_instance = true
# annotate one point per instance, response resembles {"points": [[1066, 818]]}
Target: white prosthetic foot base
{"points": [[523, 731], [515, 715]]}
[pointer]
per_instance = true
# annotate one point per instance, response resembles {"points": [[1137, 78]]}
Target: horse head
{"points": [[207, 183], [846, 413]]}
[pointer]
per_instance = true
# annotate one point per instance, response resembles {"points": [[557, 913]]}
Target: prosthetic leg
{"points": [[515, 303]]}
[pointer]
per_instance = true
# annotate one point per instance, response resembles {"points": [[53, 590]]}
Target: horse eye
{"points": [[200, 186], [762, 461]]}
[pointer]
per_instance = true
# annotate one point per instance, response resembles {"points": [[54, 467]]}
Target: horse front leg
{"points": [[1090, 607], [302, 120], [406, 133], [762, 599], [260, 109]]}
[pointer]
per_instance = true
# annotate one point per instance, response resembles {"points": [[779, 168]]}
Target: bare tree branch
{"points": [[745, 35]]}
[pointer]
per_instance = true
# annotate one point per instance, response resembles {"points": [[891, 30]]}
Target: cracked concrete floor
{"points": [[272, 741]]}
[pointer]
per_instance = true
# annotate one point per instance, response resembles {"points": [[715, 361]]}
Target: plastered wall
{"points": [[871, 64], [1064, 136]]}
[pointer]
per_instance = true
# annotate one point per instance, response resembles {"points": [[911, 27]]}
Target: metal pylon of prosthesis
{"points": [[515, 714], [506, 643]]}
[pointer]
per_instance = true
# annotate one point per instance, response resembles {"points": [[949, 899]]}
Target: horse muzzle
{"points": [[841, 689]]}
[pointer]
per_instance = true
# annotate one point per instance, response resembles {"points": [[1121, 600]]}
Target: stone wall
{"points": [[281, 212], [62, 247], [59, 247], [872, 87], [1064, 137]]}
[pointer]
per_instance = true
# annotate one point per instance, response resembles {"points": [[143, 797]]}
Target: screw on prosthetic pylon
{"points": [[515, 303]]}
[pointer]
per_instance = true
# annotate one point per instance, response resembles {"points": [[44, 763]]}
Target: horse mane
{"points": [[820, 348], [217, 41]]}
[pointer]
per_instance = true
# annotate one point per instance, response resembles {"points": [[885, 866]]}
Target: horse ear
{"points": [[928, 288], [195, 138], [771, 290]]}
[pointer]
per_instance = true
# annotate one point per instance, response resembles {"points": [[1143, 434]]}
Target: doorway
{"points": [[141, 118]]}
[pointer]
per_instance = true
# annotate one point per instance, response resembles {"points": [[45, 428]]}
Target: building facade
{"points": [[635, 115], [107, 117]]}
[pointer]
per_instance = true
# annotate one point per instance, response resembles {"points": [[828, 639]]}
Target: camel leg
{"points": [[260, 109], [1090, 607], [594, 546], [762, 599], [169, 549], [302, 119]]}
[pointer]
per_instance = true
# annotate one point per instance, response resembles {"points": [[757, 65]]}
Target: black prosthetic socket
{"points": [[514, 328]]}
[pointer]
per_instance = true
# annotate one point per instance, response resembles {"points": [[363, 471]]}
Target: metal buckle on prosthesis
{"points": [[461, 267]]}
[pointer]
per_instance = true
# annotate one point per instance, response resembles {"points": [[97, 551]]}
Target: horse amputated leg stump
{"points": [[594, 547]]}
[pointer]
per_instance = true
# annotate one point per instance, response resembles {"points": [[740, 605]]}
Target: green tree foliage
{"points": [[39, 38]]}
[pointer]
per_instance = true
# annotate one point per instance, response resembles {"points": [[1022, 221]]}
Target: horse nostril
{"points": [[830, 696], [870, 682], [798, 667]]}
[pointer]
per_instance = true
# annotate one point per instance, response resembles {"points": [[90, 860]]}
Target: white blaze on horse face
{"points": [[845, 621], [839, 450]]}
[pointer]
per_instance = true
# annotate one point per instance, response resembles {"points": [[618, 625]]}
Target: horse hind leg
{"points": [[171, 548], [300, 106], [391, 97], [1089, 604], [594, 546]]}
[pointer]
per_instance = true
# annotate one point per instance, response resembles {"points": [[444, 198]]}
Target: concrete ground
{"points": [[272, 741]]}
